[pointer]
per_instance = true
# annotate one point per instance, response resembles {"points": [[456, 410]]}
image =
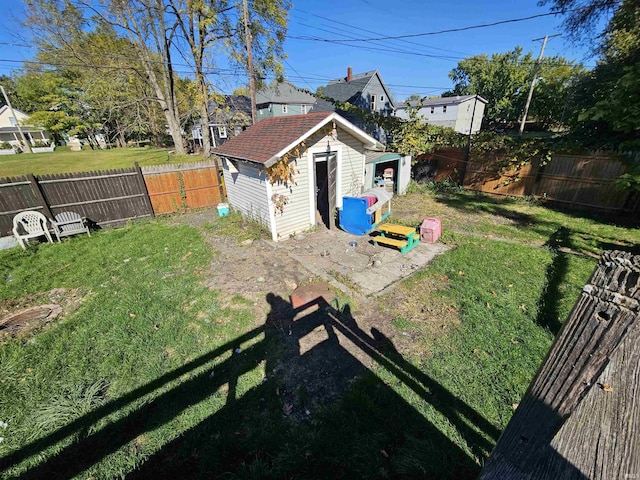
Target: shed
{"points": [[377, 162], [327, 156]]}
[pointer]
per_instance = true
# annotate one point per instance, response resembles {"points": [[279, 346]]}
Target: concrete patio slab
{"points": [[371, 269]]}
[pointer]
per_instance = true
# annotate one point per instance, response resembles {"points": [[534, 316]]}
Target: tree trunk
{"points": [[203, 107]]}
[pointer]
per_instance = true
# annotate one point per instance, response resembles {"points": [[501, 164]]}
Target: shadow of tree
{"points": [[319, 413]]}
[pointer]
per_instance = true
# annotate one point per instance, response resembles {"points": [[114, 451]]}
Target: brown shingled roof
{"points": [[262, 141]]}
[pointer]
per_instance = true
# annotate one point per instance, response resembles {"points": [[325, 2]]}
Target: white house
{"points": [[9, 128], [453, 112], [328, 155]]}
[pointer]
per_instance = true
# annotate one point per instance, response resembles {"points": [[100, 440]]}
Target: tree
{"points": [[10, 86], [503, 79], [244, 90], [607, 100]]}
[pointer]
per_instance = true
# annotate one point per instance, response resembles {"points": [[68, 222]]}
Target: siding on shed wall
{"points": [[352, 172], [247, 191], [405, 174], [295, 217]]}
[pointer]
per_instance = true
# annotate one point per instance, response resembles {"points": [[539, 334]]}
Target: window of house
{"points": [[237, 130], [222, 131], [444, 109], [303, 109], [373, 102], [284, 109], [12, 121], [433, 110], [381, 98]]}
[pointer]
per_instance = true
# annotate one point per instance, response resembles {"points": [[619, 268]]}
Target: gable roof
{"points": [[235, 103], [283, 92], [341, 90], [428, 102], [272, 137]]}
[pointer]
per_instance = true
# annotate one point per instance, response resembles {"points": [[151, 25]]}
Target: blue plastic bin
{"points": [[223, 209]]}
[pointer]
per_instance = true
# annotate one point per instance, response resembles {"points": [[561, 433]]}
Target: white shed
{"points": [[324, 153]]}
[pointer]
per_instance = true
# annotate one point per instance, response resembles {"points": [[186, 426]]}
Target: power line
{"points": [[449, 30], [371, 31]]}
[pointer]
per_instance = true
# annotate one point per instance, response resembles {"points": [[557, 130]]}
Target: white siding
{"points": [[465, 112], [247, 191], [404, 176], [351, 174], [295, 218], [369, 170]]}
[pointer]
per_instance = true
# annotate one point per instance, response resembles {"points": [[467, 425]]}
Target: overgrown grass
{"points": [[237, 226], [517, 220], [64, 161], [157, 376], [144, 316]]}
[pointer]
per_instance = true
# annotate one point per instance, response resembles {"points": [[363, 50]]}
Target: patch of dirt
{"points": [[253, 270], [321, 351], [20, 317], [411, 314]]}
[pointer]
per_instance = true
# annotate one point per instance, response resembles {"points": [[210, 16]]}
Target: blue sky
{"points": [[417, 65]]}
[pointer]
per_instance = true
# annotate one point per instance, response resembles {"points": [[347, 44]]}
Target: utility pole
{"points": [[533, 80], [252, 80], [6, 99], [468, 149]]}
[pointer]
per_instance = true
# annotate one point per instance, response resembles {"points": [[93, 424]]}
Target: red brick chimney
{"points": [[349, 74]]}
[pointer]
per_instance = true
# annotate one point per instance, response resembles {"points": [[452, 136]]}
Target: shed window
{"points": [[222, 131], [373, 102], [303, 109], [444, 109], [284, 109]]}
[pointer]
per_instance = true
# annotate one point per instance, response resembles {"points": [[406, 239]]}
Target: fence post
{"points": [[143, 187], [216, 167], [37, 191], [580, 417]]}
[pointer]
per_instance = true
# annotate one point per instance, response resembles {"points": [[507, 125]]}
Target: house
{"points": [[366, 91], [227, 118], [9, 128], [326, 154], [453, 112], [281, 98]]}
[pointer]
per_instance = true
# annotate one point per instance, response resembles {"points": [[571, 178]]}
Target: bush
{"points": [[41, 143], [5, 146]]}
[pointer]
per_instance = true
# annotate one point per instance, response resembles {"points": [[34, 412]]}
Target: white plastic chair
{"points": [[33, 223], [69, 223]]}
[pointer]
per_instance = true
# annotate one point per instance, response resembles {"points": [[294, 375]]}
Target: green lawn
{"points": [[145, 380], [63, 160]]}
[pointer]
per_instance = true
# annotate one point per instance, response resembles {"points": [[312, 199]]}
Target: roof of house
{"points": [[321, 105], [427, 102], [24, 128], [283, 92], [375, 157], [272, 137], [239, 103], [341, 90]]}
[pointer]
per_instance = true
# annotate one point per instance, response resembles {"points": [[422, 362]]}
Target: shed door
{"points": [[325, 171]]}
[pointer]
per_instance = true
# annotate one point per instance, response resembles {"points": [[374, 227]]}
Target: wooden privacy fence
{"points": [[585, 181], [174, 187], [110, 197]]}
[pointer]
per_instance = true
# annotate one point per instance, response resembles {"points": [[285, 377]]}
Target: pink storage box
{"points": [[430, 230]]}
